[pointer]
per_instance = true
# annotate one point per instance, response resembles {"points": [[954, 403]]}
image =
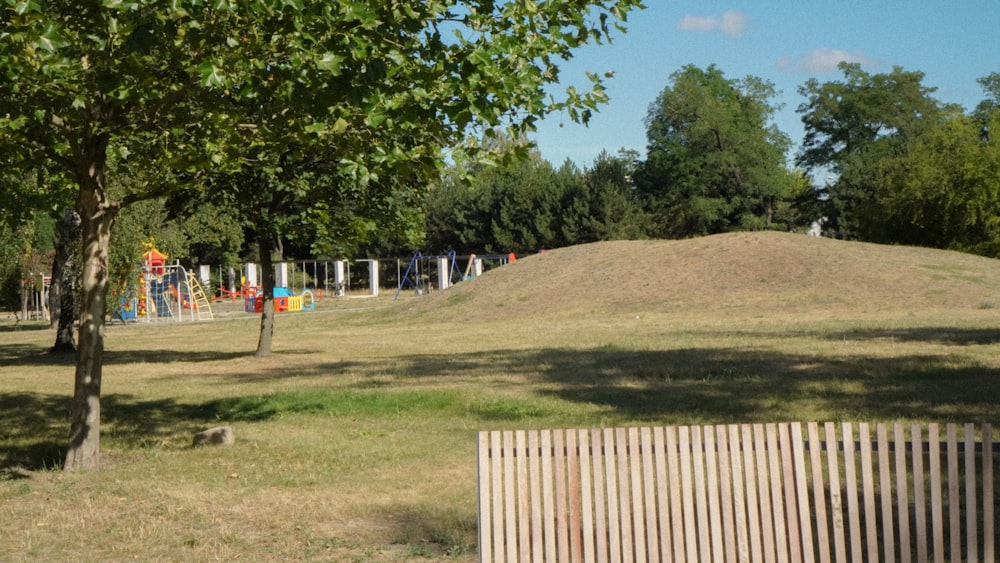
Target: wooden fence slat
{"points": [[548, 502], [937, 504], [687, 492], [819, 492], [764, 492], [561, 511], [726, 493], [586, 497], [611, 483], [485, 511], [662, 506], [989, 506], [712, 487], [509, 496], [600, 501], [635, 481], [535, 492], [574, 494], [700, 495], [741, 533], [868, 492], [520, 452], [677, 513], [790, 493], [498, 497], [836, 493], [921, 532], [954, 498], [753, 503], [885, 486], [649, 495], [902, 493], [776, 486], [624, 500], [851, 480], [802, 493], [971, 530]]}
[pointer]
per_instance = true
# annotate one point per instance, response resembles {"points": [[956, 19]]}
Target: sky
{"points": [[784, 41]]}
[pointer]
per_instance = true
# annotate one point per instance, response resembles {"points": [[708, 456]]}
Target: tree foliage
{"points": [[524, 205], [850, 126], [714, 164]]}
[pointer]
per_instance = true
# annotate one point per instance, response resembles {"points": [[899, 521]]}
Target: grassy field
{"points": [[355, 440]]}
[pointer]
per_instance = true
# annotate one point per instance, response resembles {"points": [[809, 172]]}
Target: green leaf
{"points": [[330, 62], [211, 75]]}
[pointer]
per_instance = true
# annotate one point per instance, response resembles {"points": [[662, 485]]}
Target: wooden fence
{"points": [[760, 492]]}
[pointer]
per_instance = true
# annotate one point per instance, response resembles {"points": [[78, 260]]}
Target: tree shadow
{"points": [[948, 335]]}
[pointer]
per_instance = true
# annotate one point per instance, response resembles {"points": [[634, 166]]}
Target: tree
{"points": [[154, 82], [850, 126], [713, 163], [603, 204], [943, 189]]}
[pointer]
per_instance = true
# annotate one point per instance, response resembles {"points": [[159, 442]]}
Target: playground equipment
{"points": [[447, 271], [284, 301], [164, 292]]}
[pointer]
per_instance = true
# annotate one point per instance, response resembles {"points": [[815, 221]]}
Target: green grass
{"points": [[356, 439]]}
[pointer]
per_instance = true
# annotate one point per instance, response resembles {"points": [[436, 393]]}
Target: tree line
{"points": [[882, 161]]}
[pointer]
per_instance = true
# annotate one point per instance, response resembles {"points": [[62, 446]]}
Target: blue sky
{"points": [[786, 42]]}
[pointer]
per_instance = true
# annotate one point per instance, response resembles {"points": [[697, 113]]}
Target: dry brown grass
{"points": [[355, 441]]}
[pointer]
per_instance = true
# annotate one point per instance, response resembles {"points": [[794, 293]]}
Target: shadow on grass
{"points": [[36, 426], [23, 355]]}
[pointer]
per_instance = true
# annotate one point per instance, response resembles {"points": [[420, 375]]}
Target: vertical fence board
{"points": [[726, 493], [937, 503], [819, 492], [677, 528], [700, 495], [574, 493], [739, 496], [535, 492], [649, 493], [753, 503], [611, 484], [868, 492], [561, 512], [802, 492], [971, 530], [520, 452], [635, 481], [712, 487], [921, 532], [902, 492], [836, 496], [485, 512], [624, 504], [586, 497], [776, 486], [764, 492], [510, 496], [851, 480], [989, 506], [954, 497], [885, 488], [662, 506], [548, 502], [687, 492], [600, 502]]}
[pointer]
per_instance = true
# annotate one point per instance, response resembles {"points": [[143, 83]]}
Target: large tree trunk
{"points": [[96, 215], [265, 247], [62, 292]]}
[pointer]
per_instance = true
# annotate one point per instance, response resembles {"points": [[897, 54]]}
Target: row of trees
{"points": [[898, 166]]}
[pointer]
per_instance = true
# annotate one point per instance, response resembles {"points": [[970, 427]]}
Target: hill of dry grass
{"points": [[739, 274]]}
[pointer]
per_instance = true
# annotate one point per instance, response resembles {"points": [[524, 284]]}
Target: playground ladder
{"points": [[201, 303]]}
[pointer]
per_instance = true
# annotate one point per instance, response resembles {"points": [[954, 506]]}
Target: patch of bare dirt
{"points": [[759, 272]]}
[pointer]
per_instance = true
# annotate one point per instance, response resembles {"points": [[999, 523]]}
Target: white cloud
{"points": [[823, 60], [731, 23]]}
